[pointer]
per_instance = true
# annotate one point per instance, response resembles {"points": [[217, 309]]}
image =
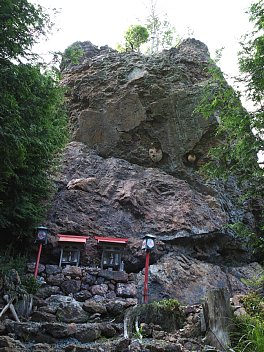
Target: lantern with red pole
{"points": [[148, 245], [41, 238]]}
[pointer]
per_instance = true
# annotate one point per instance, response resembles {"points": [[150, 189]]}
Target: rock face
{"points": [[174, 275], [129, 200], [131, 169], [140, 108]]}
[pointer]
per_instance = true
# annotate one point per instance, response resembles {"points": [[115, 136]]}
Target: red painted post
{"points": [[145, 294], [37, 263]]}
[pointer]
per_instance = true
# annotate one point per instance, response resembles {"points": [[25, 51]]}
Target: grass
{"points": [[251, 335], [249, 328]]}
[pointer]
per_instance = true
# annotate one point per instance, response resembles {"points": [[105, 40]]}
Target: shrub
{"points": [[254, 305]]}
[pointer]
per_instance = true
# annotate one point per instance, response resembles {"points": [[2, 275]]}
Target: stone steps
{"points": [[120, 344], [10, 344], [52, 332]]}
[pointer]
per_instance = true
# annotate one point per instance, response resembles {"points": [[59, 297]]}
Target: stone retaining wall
{"points": [[81, 294]]}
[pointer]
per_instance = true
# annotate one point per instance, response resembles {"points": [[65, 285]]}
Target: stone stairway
{"points": [[106, 334], [83, 309]]}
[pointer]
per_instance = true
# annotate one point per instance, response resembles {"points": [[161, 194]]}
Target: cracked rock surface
{"points": [[132, 168]]}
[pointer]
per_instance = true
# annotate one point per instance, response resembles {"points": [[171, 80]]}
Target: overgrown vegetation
{"points": [[156, 33], [21, 25], [249, 328], [33, 122], [71, 54], [253, 240], [30, 284], [242, 132], [9, 260], [254, 305]]}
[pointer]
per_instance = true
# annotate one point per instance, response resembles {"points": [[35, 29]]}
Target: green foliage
{"points": [[238, 152], [254, 240], [71, 55], [251, 57], [257, 282], [135, 36], [157, 33], [8, 261], [120, 48], [21, 24], [30, 284], [32, 121], [32, 130], [169, 305], [249, 335], [254, 305], [240, 134], [139, 332]]}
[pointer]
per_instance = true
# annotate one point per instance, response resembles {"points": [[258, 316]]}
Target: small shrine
{"points": [[70, 248], [112, 250]]}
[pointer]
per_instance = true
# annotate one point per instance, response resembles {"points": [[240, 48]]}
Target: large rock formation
{"points": [[131, 168], [141, 108]]}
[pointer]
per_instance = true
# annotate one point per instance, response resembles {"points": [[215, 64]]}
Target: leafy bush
{"points": [[33, 129], [254, 240], [22, 23], [254, 305], [238, 154]]}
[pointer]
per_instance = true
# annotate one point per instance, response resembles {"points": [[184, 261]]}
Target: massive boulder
{"points": [[131, 167], [141, 108]]}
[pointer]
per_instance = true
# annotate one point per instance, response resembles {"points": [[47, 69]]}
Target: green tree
{"points": [[32, 120], [21, 24], [162, 33], [157, 33], [251, 61], [135, 36], [242, 132]]}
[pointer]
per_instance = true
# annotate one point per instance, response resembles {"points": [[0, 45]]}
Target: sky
{"points": [[217, 23]]}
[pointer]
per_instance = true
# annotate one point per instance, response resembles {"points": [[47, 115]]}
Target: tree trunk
{"points": [[218, 319]]}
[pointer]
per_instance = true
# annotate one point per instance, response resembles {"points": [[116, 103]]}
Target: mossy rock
{"points": [[166, 313]]}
